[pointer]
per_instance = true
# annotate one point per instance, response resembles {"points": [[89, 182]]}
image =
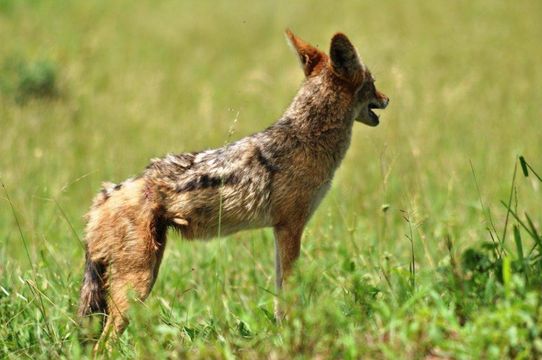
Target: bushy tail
{"points": [[93, 295]]}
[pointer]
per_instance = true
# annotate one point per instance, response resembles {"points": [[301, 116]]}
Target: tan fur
{"points": [[274, 178]]}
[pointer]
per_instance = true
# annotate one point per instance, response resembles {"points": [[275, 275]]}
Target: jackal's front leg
{"points": [[287, 248]]}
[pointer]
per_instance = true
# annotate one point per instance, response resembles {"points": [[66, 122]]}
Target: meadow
{"points": [[427, 246]]}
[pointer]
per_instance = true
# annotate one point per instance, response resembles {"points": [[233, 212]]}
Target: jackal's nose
{"points": [[385, 102], [382, 99], [380, 103]]}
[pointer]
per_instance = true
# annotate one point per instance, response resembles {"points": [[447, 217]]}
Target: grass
{"points": [[411, 255]]}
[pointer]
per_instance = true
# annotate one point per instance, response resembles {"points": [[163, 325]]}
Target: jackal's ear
{"points": [[345, 61], [311, 58]]}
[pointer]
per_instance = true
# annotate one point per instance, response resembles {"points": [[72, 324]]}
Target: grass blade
{"points": [[526, 167], [519, 247], [510, 200], [519, 220], [537, 238]]}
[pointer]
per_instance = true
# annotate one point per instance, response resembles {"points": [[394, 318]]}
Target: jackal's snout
{"points": [[377, 100], [380, 101]]}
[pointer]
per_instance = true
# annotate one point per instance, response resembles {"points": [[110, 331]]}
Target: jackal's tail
{"points": [[93, 294]]}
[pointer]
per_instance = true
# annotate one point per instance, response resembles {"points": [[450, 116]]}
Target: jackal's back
{"points": [[215, 192]]}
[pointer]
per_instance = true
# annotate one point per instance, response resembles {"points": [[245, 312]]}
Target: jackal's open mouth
{"points": [[372, 114]]}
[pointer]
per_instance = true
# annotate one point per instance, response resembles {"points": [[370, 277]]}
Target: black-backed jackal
{"points": [[275, 178]]}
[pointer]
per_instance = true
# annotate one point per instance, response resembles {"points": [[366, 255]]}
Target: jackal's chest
{"points": [[319, 194]]}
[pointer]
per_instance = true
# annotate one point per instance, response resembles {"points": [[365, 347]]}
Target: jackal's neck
{"points": [[321, 107], [318, 123]]}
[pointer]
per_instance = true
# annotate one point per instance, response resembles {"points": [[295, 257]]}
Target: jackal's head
{"points": [[344, 66]]}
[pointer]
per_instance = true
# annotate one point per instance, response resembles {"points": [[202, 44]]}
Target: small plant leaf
{"points": [[524, 166]]}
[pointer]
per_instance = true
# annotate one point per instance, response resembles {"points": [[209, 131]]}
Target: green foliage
{"points": [[37, 80], [29, 80], [411, 255]]}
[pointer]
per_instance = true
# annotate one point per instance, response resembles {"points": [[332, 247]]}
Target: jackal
{"points": [[274, 178]]}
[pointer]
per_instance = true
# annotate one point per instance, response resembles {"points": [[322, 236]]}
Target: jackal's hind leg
{"points": [[132, 273]]}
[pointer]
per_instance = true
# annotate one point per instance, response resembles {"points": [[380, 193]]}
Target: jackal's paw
{"points": [[279, 313]]}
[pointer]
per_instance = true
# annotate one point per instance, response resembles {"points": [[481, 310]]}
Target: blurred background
{"points": [[91, 91]]}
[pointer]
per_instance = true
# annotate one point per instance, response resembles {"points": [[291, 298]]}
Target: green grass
{"points": [[407, 257]]}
